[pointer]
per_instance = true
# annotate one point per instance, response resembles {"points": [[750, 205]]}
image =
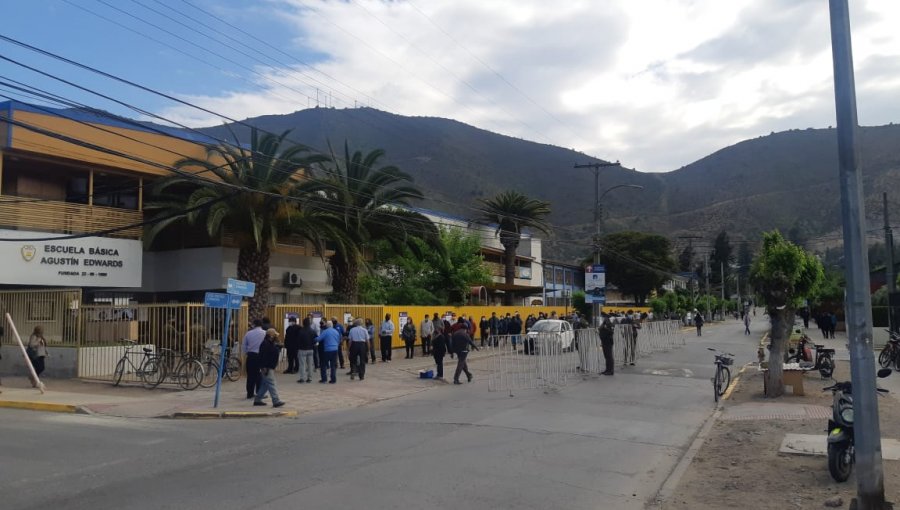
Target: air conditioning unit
{"points": [[292, 280]]}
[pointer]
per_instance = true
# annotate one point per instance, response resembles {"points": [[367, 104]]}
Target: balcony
{"points": [[497, 269], [20, 213]]}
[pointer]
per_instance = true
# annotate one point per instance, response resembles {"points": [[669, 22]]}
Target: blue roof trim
{"points": [[106, 120]]}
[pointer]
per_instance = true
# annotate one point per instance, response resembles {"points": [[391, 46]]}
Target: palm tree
{"points": [[512, 212], [366, 204], [254, 202]]}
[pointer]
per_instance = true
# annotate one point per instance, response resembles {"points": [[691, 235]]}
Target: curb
{"points": [[211, 415], [671, 483], [49, 407], [734, 382]]}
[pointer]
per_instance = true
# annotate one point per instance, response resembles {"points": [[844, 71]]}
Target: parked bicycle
{"points": [[210, 361], [890, 354], [148, 369], [181, 368], [723, 374], [823, 360]]}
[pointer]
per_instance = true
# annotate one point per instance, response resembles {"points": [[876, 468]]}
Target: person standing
{"points": [[330, 340], [630, 341], [269, 352], [340, 329], [495, 329], [438, 350], [409, 338], [606, 342], [437, 325], [36, 348], [746, 323], [314, 325], [461, 341], [250, 347], [484, 327], [698, 321], [292, 345], [307, 345], [833, 321], [370, 328], [359, 349], [426, 329], [515, 329], [386, 336]]}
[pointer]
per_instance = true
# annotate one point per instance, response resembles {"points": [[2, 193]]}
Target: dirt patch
{"points": [[739, 466]]}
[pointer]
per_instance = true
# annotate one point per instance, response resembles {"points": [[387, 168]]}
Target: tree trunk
{"points": [[253, 266], [509, 268], [781, 322], [344, 278]]}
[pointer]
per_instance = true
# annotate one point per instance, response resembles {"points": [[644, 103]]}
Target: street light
{"points": [[600, 201]]}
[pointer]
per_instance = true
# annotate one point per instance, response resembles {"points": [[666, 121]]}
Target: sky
{"points": [[655, 84]]}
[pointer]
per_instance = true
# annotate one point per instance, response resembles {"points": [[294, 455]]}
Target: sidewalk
{"points": [[383, 381]]}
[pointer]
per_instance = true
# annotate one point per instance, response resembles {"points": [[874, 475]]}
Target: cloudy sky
{"points": [[656, 84]]}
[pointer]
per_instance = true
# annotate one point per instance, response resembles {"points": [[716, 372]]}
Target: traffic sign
{"points": [[240, 287], [219, 300]]}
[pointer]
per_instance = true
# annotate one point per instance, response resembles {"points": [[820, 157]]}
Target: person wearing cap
{"points": [[606, 342], [269, 352]]}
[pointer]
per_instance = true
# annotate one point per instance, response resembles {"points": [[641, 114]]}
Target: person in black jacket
{"points": [[269, 351], [460, 342], [438, 350], [484, 328], [292, 346], [606, 342], [306, 343]]}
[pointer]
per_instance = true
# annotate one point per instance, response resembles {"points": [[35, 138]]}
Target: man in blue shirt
{"points": [[386, 335], [250, 347], [330, 340]]}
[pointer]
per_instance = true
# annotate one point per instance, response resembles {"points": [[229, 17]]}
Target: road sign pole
{"points": [[222, 355]]}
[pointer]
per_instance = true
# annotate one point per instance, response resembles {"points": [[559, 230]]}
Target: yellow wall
{"points": [[28, 140]]}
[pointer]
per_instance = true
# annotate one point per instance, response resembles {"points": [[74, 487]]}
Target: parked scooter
{"points": [[841, 453], [824, 358]]}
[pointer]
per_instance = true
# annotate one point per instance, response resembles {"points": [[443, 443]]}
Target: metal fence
{"points": [[180, 327], [56, 311], [551, 360]]}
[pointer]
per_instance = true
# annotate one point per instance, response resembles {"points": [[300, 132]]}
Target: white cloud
{"points": [[656, 84]]}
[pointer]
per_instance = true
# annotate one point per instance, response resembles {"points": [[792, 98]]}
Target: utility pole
{"points": [[889, 248], [706, 272], [867, 433], [595, 305]]}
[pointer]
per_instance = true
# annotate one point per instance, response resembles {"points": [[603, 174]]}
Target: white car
{"points": [[559, 329]]}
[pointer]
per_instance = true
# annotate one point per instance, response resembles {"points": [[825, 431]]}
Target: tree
{"points": [[254, 202], [783, 274], [442, 276], [367, 203], [686, 259], [513, 212], [637, 262]]}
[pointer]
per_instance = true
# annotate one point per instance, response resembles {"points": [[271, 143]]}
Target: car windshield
{"points": [[545, 327]]}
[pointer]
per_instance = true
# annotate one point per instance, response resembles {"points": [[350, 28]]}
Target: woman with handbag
{"points": [[37, 351]]}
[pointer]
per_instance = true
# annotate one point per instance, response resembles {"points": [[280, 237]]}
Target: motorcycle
{"points": [[841, 454], [824, 358]]}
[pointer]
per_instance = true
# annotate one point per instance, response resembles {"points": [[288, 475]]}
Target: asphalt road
{"points": [[602, 442]]}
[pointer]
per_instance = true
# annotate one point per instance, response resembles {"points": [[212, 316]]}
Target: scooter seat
{"points": [[826, 351], [819, 347]]}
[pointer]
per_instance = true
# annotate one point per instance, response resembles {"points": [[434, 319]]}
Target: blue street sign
{"points": [[219, 300], [240, 287]]}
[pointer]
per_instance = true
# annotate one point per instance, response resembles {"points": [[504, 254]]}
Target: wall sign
{"points": [[82, 262], [595, 284]]}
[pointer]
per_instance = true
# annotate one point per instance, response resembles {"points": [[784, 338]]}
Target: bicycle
{"points": [[210, 361], [149, 370], [891, 351], [723, 374], [187, 372]]}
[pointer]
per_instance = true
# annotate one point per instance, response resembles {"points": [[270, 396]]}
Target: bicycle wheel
{"points": [[233, 368], [717, 380], [826, 367], [191, 374], [152, 373], [120, 371], [725, 379], [210, 373], [886, 356]]}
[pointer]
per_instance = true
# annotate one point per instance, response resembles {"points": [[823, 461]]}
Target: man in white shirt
{"points": [[427, 331], [386, 337], [250, 347]]}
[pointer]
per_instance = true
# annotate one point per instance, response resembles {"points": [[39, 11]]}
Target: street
{"points": [[602, 442]]}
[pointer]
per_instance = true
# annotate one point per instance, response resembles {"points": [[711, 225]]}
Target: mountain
{"points": [[784, 180]]}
